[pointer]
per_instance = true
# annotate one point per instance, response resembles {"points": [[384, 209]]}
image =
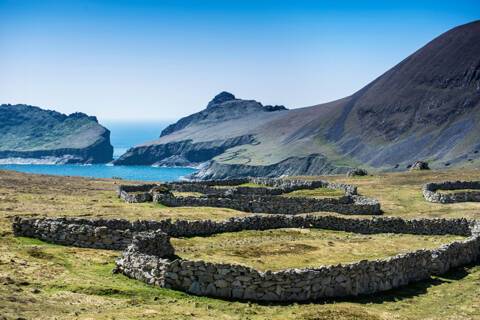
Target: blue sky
{"points": [[150, 60]]}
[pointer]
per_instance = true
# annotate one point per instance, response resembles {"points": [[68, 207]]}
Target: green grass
{"points": [[60, 282], [253, 185], [316, 193], [188, 194], [299, 248], [246, 185]]}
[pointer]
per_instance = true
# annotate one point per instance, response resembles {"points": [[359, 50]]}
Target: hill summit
{"points": [[425, 108]]}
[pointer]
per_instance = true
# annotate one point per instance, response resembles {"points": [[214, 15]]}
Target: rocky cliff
{"points": [[200, 137], [425, 108], [32, 135]]}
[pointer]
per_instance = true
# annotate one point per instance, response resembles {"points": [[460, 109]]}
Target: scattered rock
{"points": [[357, 172], [419, 165], [7, 280]]}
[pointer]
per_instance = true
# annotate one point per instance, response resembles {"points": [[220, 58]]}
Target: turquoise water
{"points": [[123, 136], [145, 173]]}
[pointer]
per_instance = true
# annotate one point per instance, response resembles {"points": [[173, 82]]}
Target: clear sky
{"points": [[148, 60]]}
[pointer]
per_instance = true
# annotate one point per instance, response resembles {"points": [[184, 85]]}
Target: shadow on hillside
{"points": [[398, 294]]}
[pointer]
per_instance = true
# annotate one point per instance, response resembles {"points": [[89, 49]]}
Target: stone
{"points": [[140, 260], [255, 200], [357, 172], [195, 288], [211, 289], [221, 283], [419, 165]]}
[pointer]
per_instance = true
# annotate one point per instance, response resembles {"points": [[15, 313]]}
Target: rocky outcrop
{"points": [[193, 151], [419, 165], [295, 166], [181, 153], [32, 135], [358, 172], [224, 101]]}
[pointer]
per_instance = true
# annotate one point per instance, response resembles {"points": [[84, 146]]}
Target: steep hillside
{"points": [[225, 123], [32, 135], [425, 108]]}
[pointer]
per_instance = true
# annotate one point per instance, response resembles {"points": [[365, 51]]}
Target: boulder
{"points": [[419, 165], [357, 172]]}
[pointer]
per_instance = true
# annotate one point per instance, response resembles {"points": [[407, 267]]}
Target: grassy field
{"points": [[45, 281], [318, 193], [297, 248], [188, 194], [247, 185], [400, 194]]}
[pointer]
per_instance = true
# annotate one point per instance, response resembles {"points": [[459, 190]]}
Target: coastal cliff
{"points": [[30, 134], [177, 146]]}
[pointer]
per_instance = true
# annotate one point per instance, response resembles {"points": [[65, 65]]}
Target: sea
{"points": [[124, 135]]}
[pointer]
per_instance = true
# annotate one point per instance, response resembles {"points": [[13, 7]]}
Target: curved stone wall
{"points": [[240, 282], [276, 205], [256, 199], [430, 191], [150, 257]]}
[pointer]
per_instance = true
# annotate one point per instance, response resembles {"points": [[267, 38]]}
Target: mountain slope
{"points": [[425, 108], [225, 123], [32, 135]]}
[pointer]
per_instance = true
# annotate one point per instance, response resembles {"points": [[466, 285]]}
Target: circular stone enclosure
{"points": [[288, 248], [149, 256], [233, 281]]}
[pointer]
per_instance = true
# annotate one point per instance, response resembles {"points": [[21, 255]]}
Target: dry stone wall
{"points": [[150, 256], [430, 192], [119, 232], [101, 234], [136, 193], [276, 205], [240, 282], [256, 199]]}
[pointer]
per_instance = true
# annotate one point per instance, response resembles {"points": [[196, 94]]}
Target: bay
{"points": [[123, 135], [143, 173]]}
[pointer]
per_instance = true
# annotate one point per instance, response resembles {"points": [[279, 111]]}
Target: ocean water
{"points": [[143, 173], [124, 135]]}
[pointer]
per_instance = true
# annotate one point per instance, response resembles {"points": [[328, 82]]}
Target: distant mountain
{"points": [[425, 108], [201, 136], [29, 134]]}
